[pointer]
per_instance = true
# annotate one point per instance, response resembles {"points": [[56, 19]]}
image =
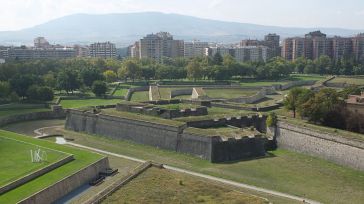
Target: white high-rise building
{"points": [[195, 48], [102, 50]]}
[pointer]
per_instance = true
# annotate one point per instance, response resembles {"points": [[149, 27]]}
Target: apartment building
{"points": [[195, 48], [102, 50], [156, 46], [358, 47]]}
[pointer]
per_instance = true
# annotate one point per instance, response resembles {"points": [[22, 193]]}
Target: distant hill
{"points": [[126, 28]]}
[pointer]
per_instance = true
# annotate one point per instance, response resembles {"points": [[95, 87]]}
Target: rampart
{"points": [[330, 147], [175, 138]]}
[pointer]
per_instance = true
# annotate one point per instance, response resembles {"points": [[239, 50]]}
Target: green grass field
{"points": [[282, 170], [82, 159], [87, 102], [16, 160], [349, 80], [120, 92], [164, 186], [229, 93], [140, 96]]}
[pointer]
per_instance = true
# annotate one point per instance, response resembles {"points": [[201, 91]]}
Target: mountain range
{"points": [[125, 28]]}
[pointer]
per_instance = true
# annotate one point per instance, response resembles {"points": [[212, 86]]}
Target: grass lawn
{"points": [[82, 159], [349, 80], [229, 93], [87, 102], [120, 92], [16, 161], [141, 117], [282, 170], [140, 96], [166, 92], [165, 186]]}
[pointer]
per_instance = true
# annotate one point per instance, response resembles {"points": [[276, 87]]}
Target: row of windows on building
{"points": [[43, 50], [316, 44], [162, 44]]}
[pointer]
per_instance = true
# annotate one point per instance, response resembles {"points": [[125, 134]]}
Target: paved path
{"points": [[225, 181]]}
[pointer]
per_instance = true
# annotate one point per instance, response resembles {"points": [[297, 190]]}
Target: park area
{"points": [[358, 80]]}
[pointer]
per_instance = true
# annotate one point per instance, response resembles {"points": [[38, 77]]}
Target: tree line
{"points": [[69, 75], [326, 107]]}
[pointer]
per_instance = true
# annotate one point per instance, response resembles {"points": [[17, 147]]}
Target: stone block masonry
{"points": [[330, 147], [175, 138]]}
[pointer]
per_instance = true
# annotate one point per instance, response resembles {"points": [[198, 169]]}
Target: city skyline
{"points": [[337, 14]]}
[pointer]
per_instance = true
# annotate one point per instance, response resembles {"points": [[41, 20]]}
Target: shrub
{"points": [[99, 88], [271, 120], [40, 93]]}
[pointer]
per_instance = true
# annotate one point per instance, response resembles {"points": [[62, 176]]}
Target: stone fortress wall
{"points": [[175, 138], [327, 146]]}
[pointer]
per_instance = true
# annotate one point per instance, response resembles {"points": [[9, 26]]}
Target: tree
{"points": [[49, 80], [310, 67], [194, 70], [40, 93], [300, 64], [20, 83], [89, 75], [323, 64], [217, 59], [68, 80], [99, 88], [4, 89], [295, 98], [130, 69], [110, 76], [317, 107]]}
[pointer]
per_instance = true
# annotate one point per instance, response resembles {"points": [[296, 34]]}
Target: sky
{"points": [[19, 14]]}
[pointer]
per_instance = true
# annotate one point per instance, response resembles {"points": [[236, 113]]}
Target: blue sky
{"points": [[18, 14]]}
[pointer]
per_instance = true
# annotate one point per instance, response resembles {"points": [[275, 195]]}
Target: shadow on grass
{"points": [[267, 156]]}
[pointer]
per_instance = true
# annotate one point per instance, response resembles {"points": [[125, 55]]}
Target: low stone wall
{"points": [[297, 83], [130, 91], [241, 122], [198, 93], [45, 115], [330, 147], [252, 108], [180, 92], [68, 184], [35, 174]]}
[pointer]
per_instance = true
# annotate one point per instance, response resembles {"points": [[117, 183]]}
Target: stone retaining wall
{"points": [[330, 147], [181, 92], [297, 83], [35, 174], [154, 94], [68, 184], [45, 115]]}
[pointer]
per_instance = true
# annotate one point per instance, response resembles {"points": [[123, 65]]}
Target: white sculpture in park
{"points": [[38, 155]]}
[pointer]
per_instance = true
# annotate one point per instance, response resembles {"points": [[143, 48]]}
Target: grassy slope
{"points": [[283, 170], [140, 96], [87, 102], [353, 80], [82, 159], [164, 186], [16, 161], [229, 93]]}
